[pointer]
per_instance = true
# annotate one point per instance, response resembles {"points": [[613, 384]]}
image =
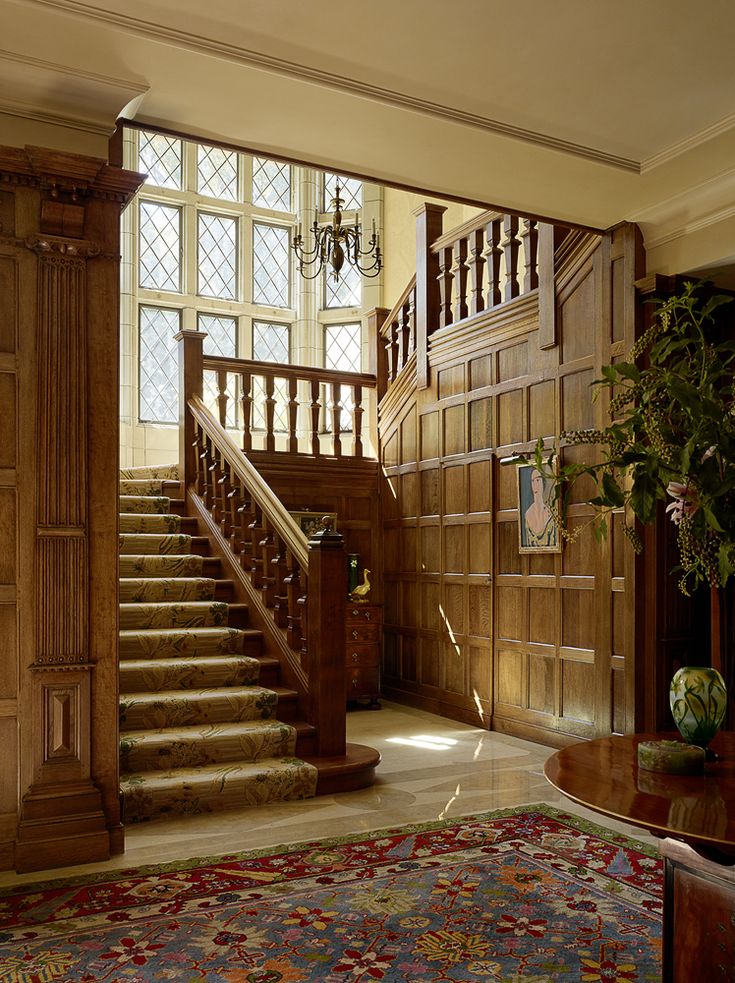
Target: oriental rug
{"points": [[528, 894]]}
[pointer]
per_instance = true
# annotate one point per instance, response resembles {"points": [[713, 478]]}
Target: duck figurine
{"points": [[360, 593]]}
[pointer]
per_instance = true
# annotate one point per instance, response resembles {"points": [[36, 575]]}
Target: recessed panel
{"points": [[481, 372], [513, 362], [454, 429], [481, 432], [618, 623], [454, 551], [454, 609], [455, 668], [429, 661], [391, 601], [542, 615], [509, 677], [541, 672], [480, 482], [480, 672], [8, 300], [409, 498], [479, 546], [391, 549], [409, 668], [7, 420], [390, 450], [506, 543], [577, 690], [409, 537], [480, 605], [575, 320], [510, 417], [408, 438], [577, 408], [9, 765], [542, 409], [430, 605], [429, 435], [409, 600], [454, 491], [430, 504], [7, 535], [580, 551], [430, 549], [451, 381], [579, 618], [8, 654], [509, 611]]}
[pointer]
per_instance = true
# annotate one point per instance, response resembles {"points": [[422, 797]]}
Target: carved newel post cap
{"points": [[326, 536]]}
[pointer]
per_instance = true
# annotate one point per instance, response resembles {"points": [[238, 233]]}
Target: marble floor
{"points": [[432, 768]]}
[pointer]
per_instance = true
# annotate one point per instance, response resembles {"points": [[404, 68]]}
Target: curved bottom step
{"points": [[212, 788], [346, 772]]}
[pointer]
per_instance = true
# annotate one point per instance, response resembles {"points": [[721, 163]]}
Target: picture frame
{"points": [[311, 522], [538, 528]]}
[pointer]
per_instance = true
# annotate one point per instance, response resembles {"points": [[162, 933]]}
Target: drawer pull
{"points": [[355, 632], [355, 683], [355, 657]]}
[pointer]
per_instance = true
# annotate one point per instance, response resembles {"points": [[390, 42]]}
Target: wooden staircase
{"points": [[198, 694]]}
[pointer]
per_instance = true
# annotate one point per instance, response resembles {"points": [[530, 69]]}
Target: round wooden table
{"points": [[695, 817]]}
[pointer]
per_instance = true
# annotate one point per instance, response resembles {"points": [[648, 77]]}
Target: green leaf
{"points": [[613, 492], [643, 496]]}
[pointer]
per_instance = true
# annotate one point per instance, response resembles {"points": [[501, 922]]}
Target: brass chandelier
{"points": [[333, 244]]}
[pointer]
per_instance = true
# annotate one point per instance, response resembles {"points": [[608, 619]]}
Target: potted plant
{"points": [[671, 438]]}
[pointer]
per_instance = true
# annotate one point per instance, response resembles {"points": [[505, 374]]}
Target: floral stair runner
{"points": [[197, 731]]}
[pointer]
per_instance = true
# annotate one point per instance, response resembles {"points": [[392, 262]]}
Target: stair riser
{"points": [[141, 802], [152, 565], [271, 742], [145, 646], [188, 675], [145, 504], [142, 522], [189, 614], [141, 543], [143, 590], [188, 710]]}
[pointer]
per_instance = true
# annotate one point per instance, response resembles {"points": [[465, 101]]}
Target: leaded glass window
{"points": [[221, 340], [342, 351], [350, 191], [271, 342], [217, 172], [271, 184], [161, 158], [345, 292], [159, 391], [160, 246], [271, 265], [217, 255]]}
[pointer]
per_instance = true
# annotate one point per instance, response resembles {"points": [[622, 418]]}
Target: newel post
{"points": [[191, 383], [428, 230], [326, 599]]}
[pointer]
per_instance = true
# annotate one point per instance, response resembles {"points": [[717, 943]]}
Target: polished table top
{"points": [[603, 775]]}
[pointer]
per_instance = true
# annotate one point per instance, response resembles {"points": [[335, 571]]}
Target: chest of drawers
{"points": [[363, 632]]}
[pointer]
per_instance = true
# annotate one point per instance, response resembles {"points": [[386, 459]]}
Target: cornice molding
{"points": [[710, 132], [703, 205], [162, 33]]}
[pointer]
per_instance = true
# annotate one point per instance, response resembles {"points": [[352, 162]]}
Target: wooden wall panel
{"points": [[544, 641]]}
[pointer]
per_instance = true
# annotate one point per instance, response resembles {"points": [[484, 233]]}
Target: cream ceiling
{"points": [[579, 110]]}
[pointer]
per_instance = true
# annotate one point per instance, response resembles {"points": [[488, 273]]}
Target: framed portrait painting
{"points": [[538, 529]]}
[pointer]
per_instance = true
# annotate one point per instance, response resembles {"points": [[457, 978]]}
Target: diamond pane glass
{"points": [[270, 265], [217, 172], [342, 344], [160, 157], [345, 292], [217, 240], [350, 191], [159, 373], [271, 184], [221, 340], [160, 246], [271, 342]]}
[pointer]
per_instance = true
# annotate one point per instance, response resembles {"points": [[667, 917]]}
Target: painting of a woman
{"points": [[538, 530]]}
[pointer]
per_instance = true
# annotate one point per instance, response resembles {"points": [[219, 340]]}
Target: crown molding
{"points": [[710, 132], [221, 49], [699, 207]]}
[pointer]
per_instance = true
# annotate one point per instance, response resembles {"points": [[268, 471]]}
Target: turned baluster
{"points": [[411, 323], [402, 331], [293, 413], [493, 256], [270, 412], [391, 349], [445, 279], [529, 238], [234, 501], [197, 445], [224, 488], [214, 474], [511, 245], [303, 606], [314, 408], [246, 404], [336, 413], [222, 396], [357, 412], [204, 463], [292, 580], [268, 551], [245, 517], [279, 566], [459, 276], [476, 264], [257, 533]]}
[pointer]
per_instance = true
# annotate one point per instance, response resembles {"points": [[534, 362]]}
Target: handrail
{"points": [[393, 313], [462, 231], [308, 373], [283, 524]]}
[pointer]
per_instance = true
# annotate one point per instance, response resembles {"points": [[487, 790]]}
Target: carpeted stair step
{"points": [[141, 486], [172, 708], [166, 472], [163, 643], [149, 522], [203, 672], [174, 614], [147, 589], [167, 565], [158, 504], [191, 747], [210, 788], [146, 542]]}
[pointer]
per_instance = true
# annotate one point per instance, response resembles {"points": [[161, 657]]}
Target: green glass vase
{"points": [[698, 701]]}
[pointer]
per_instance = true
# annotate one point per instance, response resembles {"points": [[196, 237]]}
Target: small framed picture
{"points": [[311, 522], [538, 529]]}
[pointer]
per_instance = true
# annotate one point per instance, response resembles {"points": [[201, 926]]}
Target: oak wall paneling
{"points": [[542, 646]]}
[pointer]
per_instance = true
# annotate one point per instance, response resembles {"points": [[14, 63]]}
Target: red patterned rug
{"points": [[529, 894]]}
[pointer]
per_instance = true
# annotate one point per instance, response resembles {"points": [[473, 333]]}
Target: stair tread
{"points": [[203, 693], [198, 732], [200, 660], [197, 605], [205, 631], [207, 773]]}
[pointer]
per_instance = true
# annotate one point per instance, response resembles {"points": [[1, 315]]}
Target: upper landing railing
{"points": [[479, 266]]}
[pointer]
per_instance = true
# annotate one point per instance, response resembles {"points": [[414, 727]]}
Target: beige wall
{"points": [[399, 226]]}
